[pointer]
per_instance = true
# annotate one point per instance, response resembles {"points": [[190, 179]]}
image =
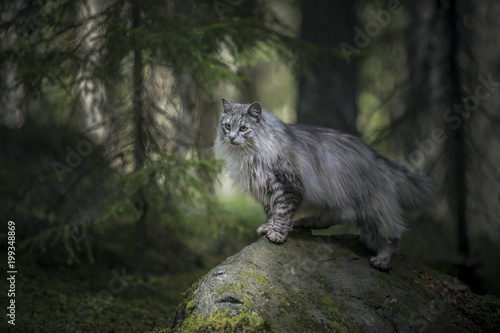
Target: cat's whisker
{"points": [[247, 151], [252, 147], [215, 146]]}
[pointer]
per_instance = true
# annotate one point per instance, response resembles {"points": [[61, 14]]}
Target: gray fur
{"points": [[329, 176]]}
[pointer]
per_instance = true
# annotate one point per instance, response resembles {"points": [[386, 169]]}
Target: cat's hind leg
{"points": [[383, 238], [386, 251], [381, 228]]}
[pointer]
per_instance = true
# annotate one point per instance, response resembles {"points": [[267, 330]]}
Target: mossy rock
{"points": [[325, 284]]}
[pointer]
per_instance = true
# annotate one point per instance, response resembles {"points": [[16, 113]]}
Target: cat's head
{"points": [[239, 123]]}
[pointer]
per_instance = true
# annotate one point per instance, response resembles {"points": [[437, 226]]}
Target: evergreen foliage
{"points": [[128, 76]]}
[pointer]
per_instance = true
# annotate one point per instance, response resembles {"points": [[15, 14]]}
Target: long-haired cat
{"points": [[330, 176]]}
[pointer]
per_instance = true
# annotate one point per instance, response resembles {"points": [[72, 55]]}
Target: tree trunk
{"points": [[12, 112], [327, 85], [140, 138], [91, 91], [459, 149], [207, 125], [186, 88], [11, 107]]}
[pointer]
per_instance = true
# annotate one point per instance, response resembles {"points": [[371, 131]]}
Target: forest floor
{"points": [[93, 299], [111, 294]]}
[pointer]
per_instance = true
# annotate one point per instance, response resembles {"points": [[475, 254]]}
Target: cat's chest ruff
{"points": [[251, 175]]}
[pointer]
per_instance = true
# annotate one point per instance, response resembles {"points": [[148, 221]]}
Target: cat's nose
{"points": [[231, 138]]}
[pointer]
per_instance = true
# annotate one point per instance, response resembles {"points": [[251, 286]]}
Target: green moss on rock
{"points": [[337, 318], [317, 284], [222, 321]]}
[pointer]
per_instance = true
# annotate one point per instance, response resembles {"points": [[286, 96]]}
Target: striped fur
{"points": [[329, 176]]}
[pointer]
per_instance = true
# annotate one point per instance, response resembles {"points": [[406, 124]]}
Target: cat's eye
{"points": [[243, 128], [227, 126]]}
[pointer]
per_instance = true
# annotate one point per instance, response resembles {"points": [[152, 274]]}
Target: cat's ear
{"points": [[227, 106], [255, 111]]}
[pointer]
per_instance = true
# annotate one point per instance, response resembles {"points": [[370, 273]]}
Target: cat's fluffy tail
{"points": [[415, 189]]}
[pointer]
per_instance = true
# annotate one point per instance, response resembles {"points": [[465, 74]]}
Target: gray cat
{"points": [[329, 176]]}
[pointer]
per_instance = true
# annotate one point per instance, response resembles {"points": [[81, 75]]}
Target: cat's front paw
{"points": [[382, 264], [276, 237], [264, 229]]}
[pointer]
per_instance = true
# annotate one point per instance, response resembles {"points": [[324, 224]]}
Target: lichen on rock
{"points": [[316, 284]]}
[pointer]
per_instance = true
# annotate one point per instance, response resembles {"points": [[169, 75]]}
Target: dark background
{"points": [[109, 110]]}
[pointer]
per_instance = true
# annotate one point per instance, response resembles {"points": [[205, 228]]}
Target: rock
{"points": [[325, 284]]}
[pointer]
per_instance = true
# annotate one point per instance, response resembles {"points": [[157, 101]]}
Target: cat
{"points": [[330, 176]]}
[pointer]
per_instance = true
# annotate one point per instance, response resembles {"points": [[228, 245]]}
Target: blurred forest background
{"points": [[109, 109]]}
